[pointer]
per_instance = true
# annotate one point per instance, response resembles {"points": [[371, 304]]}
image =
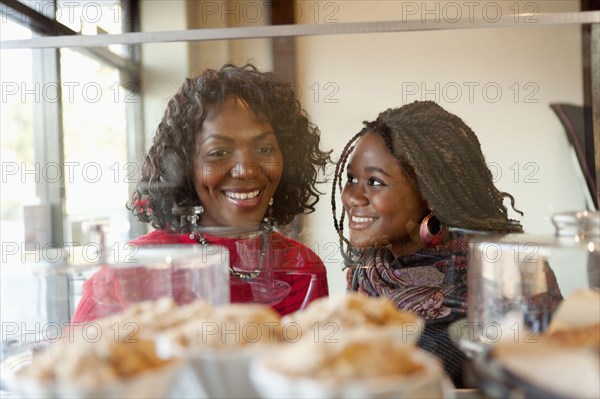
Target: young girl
{"points": [[411, 174]]}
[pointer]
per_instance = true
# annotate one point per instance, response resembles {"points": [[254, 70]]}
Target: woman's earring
{"points": [[431, 230], [193, 218], [269, 218], [190, 217]]}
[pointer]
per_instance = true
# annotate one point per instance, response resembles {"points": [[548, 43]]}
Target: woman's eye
{"points": [[217, 153], [265, 150]]}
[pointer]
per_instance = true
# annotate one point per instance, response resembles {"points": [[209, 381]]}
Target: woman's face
{"points": [[237, 166], [382, 203]]}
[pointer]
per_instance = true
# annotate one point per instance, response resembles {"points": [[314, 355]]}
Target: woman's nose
{"points": [[247, 170]]}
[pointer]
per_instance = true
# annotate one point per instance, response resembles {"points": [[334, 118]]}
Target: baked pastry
{"points": [[565, 359], [150, 318], [363, 363], [357, 355], [587, 336], [228, 326], [221, 345], [93, 364], [325, 318]]}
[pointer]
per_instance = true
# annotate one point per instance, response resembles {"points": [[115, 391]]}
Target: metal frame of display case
{"points": [[273, 31]]}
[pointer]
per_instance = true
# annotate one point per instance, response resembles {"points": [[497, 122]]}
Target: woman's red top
{"points": [[103, 294]]}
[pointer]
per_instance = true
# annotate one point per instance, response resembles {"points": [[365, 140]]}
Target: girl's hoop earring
{"points": [[431, 230]]}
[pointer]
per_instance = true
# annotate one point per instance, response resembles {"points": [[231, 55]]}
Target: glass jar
{"points": [[46, 291], [517, 281], [522, 288]]}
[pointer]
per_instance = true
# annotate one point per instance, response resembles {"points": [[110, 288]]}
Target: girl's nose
{"points": [[355, 196]]}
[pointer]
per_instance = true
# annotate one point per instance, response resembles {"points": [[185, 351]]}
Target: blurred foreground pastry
{"points": [[93, 364], [353, 311], [228, 326], [150, 318], [365, 364], [220, 346], [358, 355]]}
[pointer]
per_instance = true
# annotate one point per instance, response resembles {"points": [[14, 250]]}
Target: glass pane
{"points": [[499, 81], [95, 141], [16, 108], [93, 18], [19, 174]]}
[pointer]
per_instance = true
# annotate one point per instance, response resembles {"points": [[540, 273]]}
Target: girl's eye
{"points": [[375, 182], [352, 179]]}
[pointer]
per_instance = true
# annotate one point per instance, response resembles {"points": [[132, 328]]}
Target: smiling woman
{"points": [[234, 149], [218, 124]]}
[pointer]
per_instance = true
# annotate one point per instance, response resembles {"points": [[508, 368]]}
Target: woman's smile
{"points": [[244, 198]]}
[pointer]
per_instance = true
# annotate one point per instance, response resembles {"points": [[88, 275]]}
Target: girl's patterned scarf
{"points": [[431, 282]]}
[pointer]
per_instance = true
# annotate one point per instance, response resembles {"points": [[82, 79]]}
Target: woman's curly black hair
{"points": [[443, 157], [168, 173]]}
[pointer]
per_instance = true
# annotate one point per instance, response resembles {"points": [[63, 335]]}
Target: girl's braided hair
{"points": [[443, 157], [168, 171]]}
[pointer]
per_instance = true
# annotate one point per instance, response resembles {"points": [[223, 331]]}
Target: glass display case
{"points": [[500, 66]]}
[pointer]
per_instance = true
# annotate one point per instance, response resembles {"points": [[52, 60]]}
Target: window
{"points": [[95, 142], [68, 125], [67, 131], [17, 138]]}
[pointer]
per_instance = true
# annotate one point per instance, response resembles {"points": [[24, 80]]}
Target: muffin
{"points": [[363, 363], [100, 367], [325, 319], [231, 326], [221, 346], [149, 318]]}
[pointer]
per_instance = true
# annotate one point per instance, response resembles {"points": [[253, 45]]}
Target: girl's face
{"points": [[237, 166], [383, 205]]}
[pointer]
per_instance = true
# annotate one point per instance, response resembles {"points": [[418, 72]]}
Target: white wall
{"points": [[222, 14], [367, 73], [166, 65]]}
